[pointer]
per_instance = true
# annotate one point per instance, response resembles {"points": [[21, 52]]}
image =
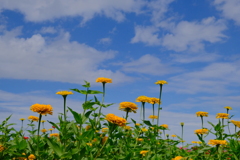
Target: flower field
{"points": [[95, 136]]}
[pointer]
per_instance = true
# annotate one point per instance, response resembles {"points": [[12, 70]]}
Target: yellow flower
{"points": [[43, 121], [198, 142], [89, 144], [104, 129], [54, 135], [144, 129], [173, 135], [128, 107], [201, 131], [42, 109], [115, 119], [161, 82], [31, 157], [182, 124], [228, 107], [22, 119], [143, 153], [164, 125], [1, 148], [202, 114], [153, 117], [222, 115], [88, 127], [236, 123], [180, 158], [64, 93], [33, 118], [214, 142], [51, 129], [44, 130], [127, 127], [143, 99], [154, 100], [104, 80], [94, 140], [139, 139], [138, 124]]}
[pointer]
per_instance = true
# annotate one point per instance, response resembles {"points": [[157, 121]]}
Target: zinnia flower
{"points": [[143, 99], [54, 135], [64, 93], [88, 127], [143, 153], [154, 100], [42, 109], [236, 123], [138, 124], [89, 144], [153, 117], [164, 125], [127, 127], [44, 130], [104, 80], [222, 115], [128, 107], [115, 119], [31, 157], [228, 107], [139, 139], [198, 142], [22, 119], [174, 135], [50, 129], [202, 114], [214, 142], [1, 148], [144, 129], [33, 118], [180, 158], [201, 131], [161, 82]]}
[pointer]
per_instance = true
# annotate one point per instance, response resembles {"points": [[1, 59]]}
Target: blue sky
{"points": [[51, 46]]}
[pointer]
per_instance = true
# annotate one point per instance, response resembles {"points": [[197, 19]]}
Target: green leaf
{"points": [[87, 84], [79, 91], [133, 121], [55, 147], [88, 114], [77, 116], [147, 122], [22, 145], [94, 92]]}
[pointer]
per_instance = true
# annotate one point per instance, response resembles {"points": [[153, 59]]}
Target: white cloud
{"points": [[214, 78], [50, 30], [146, 35], [192, 35], [230, 9], [105, 40], [42, 10], [59, 60], [150, 65]]}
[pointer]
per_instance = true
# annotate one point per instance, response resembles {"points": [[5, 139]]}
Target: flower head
{"points": [[139, 139], [127, 127], [154, 100], [143, 99], [42, 109], [214, 142], [54, 135], [64, 93], [222, 115], [144, 129], [31, 157], [44, 130], [180, 158], [104, 80], [115, 119], [201, 131], [89, 144], [144, 152], [128, 107], [22, 119], [228, 108], [33, 118], [153, 117], [25, 137], [50, 129], [182, 123], [236, 123], [88, 127], [1, 148], [43, 121], [138, 124], [164, 125], [202, 114], [161, 82], [197, 142], [173, 135]]}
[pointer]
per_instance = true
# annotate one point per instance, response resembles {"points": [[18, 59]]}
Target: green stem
{"points": [[100, 109], [143, 110], [64, 107], [38, 136], [182, 135], [127, 114], [160, 95], [84, 110], [202, 121], [153, 112]]}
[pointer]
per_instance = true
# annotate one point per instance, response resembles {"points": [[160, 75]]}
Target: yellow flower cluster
{"points": [[33, 118], [161, 82], [54, 135], [153, 117], [44, 130], [143, 99], [222, 115], [144, 152], [154, 100], [104, 80], [144, 129], [31, 157], [64, 93], [228, 107], [236, 123], [139, 139], [115, 119], [197, 142], [202, 114], [1, 148], [214, 142], [201, 131], [180, 158], [89, 144], [164, 125], [42, 109], [128, 107]]}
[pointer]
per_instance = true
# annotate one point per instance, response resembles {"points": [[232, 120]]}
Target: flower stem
{"points": [[153, 112], [143, 110], [160, 95], [202, 121], [127, 114], [64, 107], [38, 136], [100, 109]]}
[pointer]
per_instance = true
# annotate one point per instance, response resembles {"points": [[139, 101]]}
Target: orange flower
{"points": [[161, 82], [33, 118], [143, 99], [104, 80], [64, 93], [222, 115], [128, 107], [202, 114], [201, 131], [115, 119], [42, 109], [164, 125]]}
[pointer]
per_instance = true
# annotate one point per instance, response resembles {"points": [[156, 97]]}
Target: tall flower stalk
{"points": [[143, 100], [128, 107], [202, 114], [153, 101], [228, 108], [182, 124], [160, 83], [64, 95]]}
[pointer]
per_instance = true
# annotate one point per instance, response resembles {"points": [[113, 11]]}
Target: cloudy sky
{"points": [[49, 46]]}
